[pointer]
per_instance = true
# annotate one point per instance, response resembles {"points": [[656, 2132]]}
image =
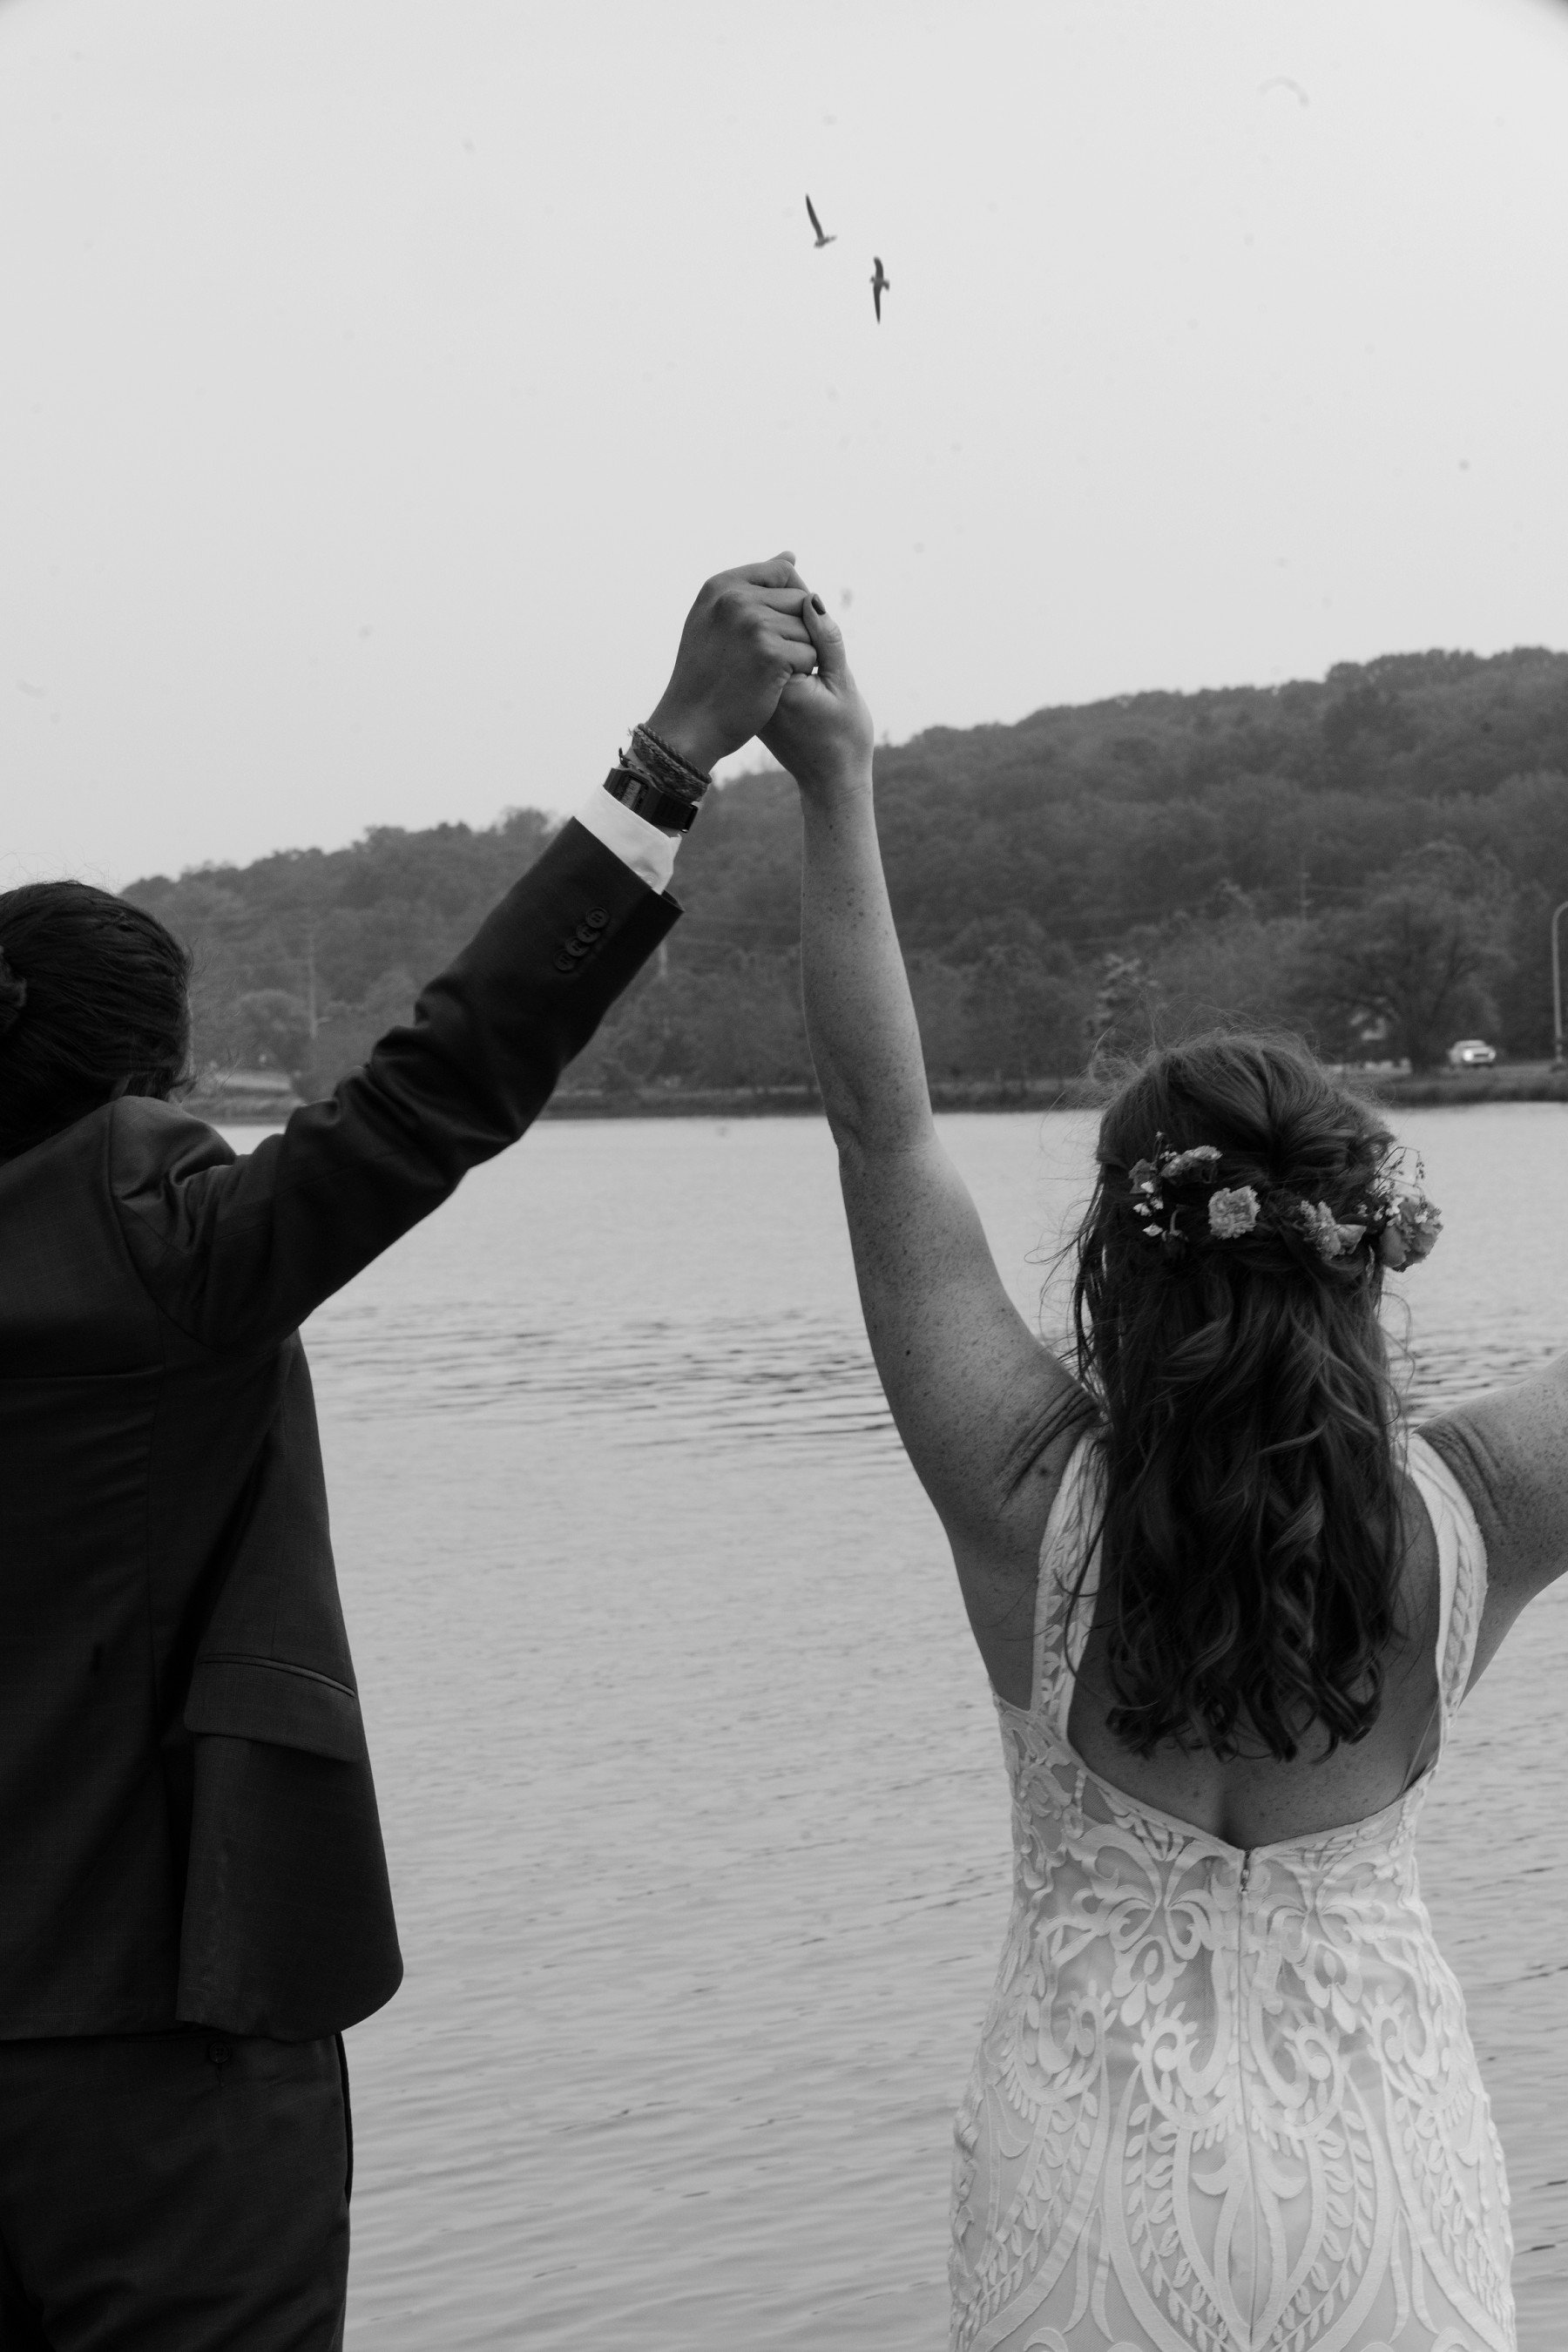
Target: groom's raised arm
{"points": [[236, 1251]]}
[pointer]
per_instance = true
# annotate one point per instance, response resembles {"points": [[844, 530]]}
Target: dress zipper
{"points": [[1241, 2020]]}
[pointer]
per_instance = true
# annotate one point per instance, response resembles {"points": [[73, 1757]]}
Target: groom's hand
{"points": [[742, 643]]}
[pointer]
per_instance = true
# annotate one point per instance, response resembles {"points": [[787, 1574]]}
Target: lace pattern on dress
{"points": [[1223, 2101]]}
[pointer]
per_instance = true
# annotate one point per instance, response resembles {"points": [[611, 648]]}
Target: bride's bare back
{"points": [[1256, 1799], [1510, 1453]]}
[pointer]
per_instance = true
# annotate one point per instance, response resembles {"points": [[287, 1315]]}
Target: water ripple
{"points": [[796, 1379]]}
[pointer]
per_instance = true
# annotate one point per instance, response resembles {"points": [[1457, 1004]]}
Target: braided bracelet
{"points": [[665, 765]]}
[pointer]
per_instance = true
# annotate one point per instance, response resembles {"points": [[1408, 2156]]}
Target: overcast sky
{"points": [[381, 377]]}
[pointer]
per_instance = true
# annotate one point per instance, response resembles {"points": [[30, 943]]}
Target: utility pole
{"points": [[1557, 1054]]}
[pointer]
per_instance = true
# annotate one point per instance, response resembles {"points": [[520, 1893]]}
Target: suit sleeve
{"points": [[238, 1251]]}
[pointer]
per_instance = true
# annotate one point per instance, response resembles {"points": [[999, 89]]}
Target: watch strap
{"points": [[671, 812]]}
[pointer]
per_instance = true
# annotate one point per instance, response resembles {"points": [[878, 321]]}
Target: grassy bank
{"points": [[769, 1102], [1509, 1082], [239, 1108], [1504, 1082]]}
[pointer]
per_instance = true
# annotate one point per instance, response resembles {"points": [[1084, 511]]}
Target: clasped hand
{"points": [[759, 656]]}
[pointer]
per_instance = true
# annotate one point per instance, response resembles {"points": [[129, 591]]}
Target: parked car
{"points": [[1471, 1054]]}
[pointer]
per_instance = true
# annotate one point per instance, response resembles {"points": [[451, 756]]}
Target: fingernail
{"points": [[820, 606]]}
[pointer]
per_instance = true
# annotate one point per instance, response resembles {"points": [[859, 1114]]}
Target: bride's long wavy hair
{"points": [[1250, 1538]]}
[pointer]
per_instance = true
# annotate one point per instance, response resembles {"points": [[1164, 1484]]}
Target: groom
{"points": [[195, 1897]]}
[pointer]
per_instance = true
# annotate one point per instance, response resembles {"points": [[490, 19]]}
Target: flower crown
{"points": [[1399, 1226]]}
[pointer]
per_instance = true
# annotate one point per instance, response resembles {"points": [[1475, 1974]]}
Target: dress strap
{"points": [[1461, 1570], [1062, 1552]]}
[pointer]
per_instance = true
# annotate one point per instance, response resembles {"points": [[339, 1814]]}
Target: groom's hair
{"points": [[93, 991], [1250, 1533]]}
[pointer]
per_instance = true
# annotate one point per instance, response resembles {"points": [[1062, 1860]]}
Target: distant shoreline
{"points": [[1507, 1081]]}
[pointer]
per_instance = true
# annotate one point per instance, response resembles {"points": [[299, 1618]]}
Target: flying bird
{"points": [[879, 285], [821, 238]]}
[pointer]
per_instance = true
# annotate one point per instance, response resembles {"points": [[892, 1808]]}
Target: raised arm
{"points": [[1509, 1450], [236, 1251], [984, 1410]]}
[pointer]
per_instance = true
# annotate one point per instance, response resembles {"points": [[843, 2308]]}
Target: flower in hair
{"points": [[1233, 1210], [1199, 1161], [1148, 1178], [1412, 1230], [1398, 1224], [1316, 1223], [1143, 1177]]}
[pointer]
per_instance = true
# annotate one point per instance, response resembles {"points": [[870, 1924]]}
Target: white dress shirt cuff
{"points": [[650, 853]]}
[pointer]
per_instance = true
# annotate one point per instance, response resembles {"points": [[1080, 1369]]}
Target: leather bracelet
{"points": [[671, 812], [665, 765]]}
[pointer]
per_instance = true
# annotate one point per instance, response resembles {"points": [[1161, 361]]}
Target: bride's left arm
{"points": [[986, 1411]]}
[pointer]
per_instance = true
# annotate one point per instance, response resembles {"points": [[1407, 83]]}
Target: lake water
{"points": [[692, 1787]]}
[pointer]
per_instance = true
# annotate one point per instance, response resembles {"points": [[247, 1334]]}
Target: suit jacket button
{"points": [[598, 919], [565, 963]]}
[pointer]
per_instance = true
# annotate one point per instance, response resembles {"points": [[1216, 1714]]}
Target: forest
{"points": [[1372, 860]]}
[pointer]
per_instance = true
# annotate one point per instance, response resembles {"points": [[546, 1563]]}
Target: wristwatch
{"points": [[671, 812]]}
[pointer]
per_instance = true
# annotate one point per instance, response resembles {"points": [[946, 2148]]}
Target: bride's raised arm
{"points": [[983, 1407]]}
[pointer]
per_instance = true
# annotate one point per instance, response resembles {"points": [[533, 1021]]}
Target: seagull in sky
{"points": [[879, 285], [821, 238]]}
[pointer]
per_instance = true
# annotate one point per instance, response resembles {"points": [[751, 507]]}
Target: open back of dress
{"points": [[1224, 2100]]}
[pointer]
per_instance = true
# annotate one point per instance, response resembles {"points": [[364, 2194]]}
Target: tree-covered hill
{"points": [[1373, 857]]}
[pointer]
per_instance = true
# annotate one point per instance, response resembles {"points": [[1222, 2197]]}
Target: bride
{"points": [[1224, 2095]]}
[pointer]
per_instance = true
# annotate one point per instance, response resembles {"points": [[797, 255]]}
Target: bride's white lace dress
{"points": [[1224, 2101]]}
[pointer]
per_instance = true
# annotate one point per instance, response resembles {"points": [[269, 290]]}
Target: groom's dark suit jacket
{"points": [[188, 1828]]}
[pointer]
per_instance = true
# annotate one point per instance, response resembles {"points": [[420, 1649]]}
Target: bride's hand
{"points": [[822, 731]]}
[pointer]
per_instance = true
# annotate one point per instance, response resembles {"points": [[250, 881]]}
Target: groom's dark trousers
{"points": [[194, 1897]]}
